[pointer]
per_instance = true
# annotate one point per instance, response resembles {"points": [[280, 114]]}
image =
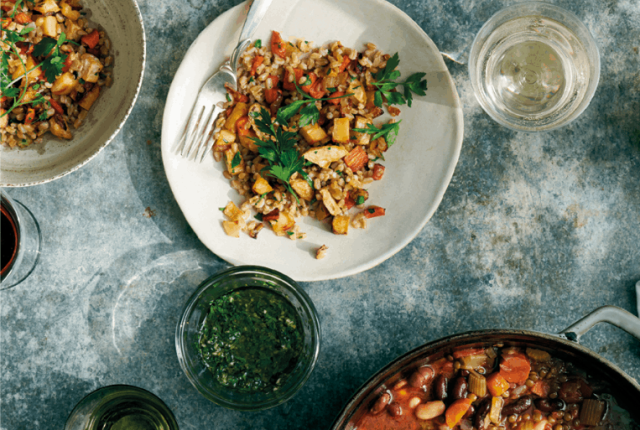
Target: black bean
{"points": [[441, 385], [460, 388], [518, 407], [394, 409]]}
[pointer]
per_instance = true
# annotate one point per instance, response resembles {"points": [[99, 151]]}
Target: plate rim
{"points": [[453, 162]]}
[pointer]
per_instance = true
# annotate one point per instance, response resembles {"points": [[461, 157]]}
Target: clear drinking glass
{"points": [[21, 242], [534, 66], [121, 407]]}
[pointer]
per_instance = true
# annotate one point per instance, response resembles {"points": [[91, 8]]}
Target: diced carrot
{"points": [[291, 86], [31, 116], [356, 159], [273, 80], [311, 79], [272, 216], [56, 106], [374, 211], [378, 172], [277, 46], [334, 99], [6, 22], [25, 47], [540, 388], [317, 89], [456, 411], [496, 384], [91, 39], [22, 18], [348, 201], [272, 95], [257, 61], [465, 352], [67, 64], [345, 63], [515, 368]]}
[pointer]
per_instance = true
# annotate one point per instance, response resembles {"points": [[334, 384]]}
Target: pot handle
{"points": [[611, 314]]}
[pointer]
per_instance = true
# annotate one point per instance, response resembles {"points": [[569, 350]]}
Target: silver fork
{"points": [[197, 137]]}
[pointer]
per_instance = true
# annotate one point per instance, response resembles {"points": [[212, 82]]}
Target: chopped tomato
{"points": [[378, 172], [271, 216], [311, 80], [67, 64], [277, 46], [345, 63], [31, 116], [356, 159], [456, 411], [540, 388], [317, 89], [257, 61], [515, 368], [272, 95], [91, 39], [290, 85], [56, 106], [334, 99], [496, 384], [22, 18], [374, 211]]}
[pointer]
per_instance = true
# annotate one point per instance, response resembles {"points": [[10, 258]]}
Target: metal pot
{"points": [[564, 345]]}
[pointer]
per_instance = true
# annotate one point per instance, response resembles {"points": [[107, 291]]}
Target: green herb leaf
{"points": [[44, 47], [258, 217], [309, 115], [258, 44], [360, 200], [235, 162], [388, 131]]}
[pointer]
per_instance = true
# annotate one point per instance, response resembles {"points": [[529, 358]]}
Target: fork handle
{"points": [[257, 11]]}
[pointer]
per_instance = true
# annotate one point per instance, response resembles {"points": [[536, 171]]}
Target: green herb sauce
{"points": [[251, 340]]}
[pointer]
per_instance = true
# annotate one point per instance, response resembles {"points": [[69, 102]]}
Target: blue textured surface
{"points": [[534, 232]]}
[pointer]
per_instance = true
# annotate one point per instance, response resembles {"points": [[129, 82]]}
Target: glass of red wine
{"points": [[20, 241]]}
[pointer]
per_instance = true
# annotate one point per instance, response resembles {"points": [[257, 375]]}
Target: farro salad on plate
{"points": [[54, 66], [305, 134]]}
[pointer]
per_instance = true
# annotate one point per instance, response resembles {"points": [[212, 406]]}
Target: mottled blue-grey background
{"points": [[534, 232]]}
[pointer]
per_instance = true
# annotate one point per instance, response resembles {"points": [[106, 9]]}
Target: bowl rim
{"points": [[194, 299], [589, 43], [117, 129]]}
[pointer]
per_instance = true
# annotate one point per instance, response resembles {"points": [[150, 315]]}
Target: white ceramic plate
{"points": [[55, 157], [418, 167]]}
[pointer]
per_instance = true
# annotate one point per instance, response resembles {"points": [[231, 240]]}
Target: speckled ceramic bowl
{"points": [[54, 158]]}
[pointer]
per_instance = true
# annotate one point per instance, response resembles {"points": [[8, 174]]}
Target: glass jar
{"points": [[195, 312], [121, 407]]}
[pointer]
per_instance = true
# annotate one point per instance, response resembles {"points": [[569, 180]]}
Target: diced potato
{"points": [[325, 155], [314, 134], [232, 228], [245, 140], [59, 130], [229, 155], [71, 30], [68, 11], [47, 6], [90, 68], [64, 84], [341, 130], [329, 202], [283, 224], [50, 26], [340, 224], [261, 186], [20, 71], [233, 212], [362, 138], [357, 89], [224, 141], [90, 98], [321, 212], [240, 110], [336, 190], [302, 188], [370, 99]]}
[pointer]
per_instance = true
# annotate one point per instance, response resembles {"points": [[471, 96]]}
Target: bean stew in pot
{"points": [[496, 388]]}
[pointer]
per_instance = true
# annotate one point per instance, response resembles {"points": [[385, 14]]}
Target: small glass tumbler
{"points": [[534, 66], [121, 407], [21, 242]]}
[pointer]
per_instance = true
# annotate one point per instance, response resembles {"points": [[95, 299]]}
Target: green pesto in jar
{"points": [[251, 340]]}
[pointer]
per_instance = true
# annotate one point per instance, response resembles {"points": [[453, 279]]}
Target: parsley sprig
{"points": [[385, 84], [389, 131], [279, 149], [309, 114]]}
